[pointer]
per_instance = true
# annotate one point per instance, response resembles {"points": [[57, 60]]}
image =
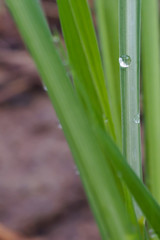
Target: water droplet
{"points": [[137, 118], [76, 171], [56, 39], [152, 233], [65, 63], [105, 119], [59, 126], [45, 88], [124, 61], [153, 236]]}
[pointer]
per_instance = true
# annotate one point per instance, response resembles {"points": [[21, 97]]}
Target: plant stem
{"points": [[151, 91], [107, 20], [129, 14]]}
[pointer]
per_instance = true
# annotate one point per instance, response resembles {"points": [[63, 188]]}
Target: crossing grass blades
{"points": [[98, 103]]}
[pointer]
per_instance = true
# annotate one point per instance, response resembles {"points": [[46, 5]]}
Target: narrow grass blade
{"points": [[107, 19], [151, 92], [143, 197], [95, 171], [130, 71], [84, 56], [129, 25]]}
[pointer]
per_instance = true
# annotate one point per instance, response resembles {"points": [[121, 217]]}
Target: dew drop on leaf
{"points": [[45, 88], [124, 61], [56, 39], [76, 171], [59, 126], [137, 118], [152, 234], [105, 119]]}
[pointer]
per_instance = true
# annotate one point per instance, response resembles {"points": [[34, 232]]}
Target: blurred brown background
{"points": [[41, 196]]}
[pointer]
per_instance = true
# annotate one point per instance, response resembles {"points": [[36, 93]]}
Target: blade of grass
{"points": [[129, 25], [107, 19], [143, 197], [81, 41], [84, 56], [95, 172], [151, 94], [130, 71], [108, 30]]}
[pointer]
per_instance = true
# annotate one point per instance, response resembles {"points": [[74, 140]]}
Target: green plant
{"points": [[88, 106], [151, 85]]}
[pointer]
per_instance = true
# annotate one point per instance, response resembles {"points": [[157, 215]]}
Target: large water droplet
{"points": [[124, 61], [137, 118]]}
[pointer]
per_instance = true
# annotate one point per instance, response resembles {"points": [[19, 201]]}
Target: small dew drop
{"points": [[137, 118], [65, 63], [105, 119], [56, 39], [76, 171], [152, 234], [59, 126], [45, 88], [151, 231], [124, 61]]}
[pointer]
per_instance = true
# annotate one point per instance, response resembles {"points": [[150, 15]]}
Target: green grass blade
{"points": [[107, 15], [143, 197], [95, 172], [151, 91], [107, 19], [129, 25], [130, 69], [84, 55]]}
